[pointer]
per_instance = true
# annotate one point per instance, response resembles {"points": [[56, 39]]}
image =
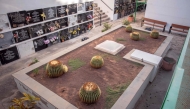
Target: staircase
{"points": [[97, 12]]}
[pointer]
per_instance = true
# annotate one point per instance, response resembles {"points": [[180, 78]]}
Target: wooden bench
{"points": [[179, 28], [153, 23]]}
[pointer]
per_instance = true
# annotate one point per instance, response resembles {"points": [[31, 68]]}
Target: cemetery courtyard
{"points": [[154, 93]]}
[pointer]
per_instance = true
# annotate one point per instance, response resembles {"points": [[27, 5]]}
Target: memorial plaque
{"points": [[73, 32], [21, 35], [53, 39], [82, 17], [72, 9], [51, 26], [61, 11], [34, 16], [64, 35], [39, 44], [9, 55], [89, 6], [36, 30], [81, 7], [72, 20], [6, 39], [50, 13], [63, 22], [83, 28], [17, 19], [26, 49]]}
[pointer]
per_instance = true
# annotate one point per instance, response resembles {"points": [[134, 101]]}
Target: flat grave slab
{"points": [[146, 57], [110, 47]]}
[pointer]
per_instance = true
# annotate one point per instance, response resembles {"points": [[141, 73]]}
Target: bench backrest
{"points": [[155, 21], [180, 26]]}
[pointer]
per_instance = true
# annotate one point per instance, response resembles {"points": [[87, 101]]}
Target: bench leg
{"points": [[170, 30], [164, 28]]}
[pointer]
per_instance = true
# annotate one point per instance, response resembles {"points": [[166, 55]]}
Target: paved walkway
{"points": [[151, 99]]}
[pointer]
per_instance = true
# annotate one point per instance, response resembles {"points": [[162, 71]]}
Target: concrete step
{"points": [[95, 5], [101, 12], [97, 17], [96, 8], [97, 22]]}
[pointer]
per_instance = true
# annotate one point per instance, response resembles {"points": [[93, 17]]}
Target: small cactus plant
{"points": [[89, 92], [97, 62], [154, 34], [129, 28], [135, 36], [55, 69]]}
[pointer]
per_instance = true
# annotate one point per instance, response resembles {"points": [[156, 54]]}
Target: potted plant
{"points": [[168, 63], [130, 18]]}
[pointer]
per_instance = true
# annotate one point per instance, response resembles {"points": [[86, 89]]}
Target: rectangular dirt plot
{"points": [[113, 78]]}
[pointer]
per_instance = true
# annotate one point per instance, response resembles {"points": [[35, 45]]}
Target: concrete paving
{"points": [[151, 99]]}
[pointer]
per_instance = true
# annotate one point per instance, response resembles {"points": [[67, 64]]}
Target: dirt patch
{"points": [[114, 76]]}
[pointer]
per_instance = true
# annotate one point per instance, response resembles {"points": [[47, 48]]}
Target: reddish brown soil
{"points": [[115, 71]]}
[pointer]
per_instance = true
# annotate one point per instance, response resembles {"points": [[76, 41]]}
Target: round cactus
{"points": [[89, 92], [154, 34], [129, 28], [135, 36], [97, 62], [55, 69]]}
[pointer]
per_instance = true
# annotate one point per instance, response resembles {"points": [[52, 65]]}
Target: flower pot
{"points": [[168, 63], [130, 19]]}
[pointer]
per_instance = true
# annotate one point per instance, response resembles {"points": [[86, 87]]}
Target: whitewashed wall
{"points": [[7, 6], [170, 11], [105, 9]]}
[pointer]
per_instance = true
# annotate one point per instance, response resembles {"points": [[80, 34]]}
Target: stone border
{"points": [[50, 100]]}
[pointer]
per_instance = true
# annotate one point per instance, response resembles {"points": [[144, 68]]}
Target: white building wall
{"points": [[7, 6], [170, 11], [105, 9]]}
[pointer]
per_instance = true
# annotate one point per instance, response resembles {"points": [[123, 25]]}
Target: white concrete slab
{"points": [[146, 57], [110, 47]]}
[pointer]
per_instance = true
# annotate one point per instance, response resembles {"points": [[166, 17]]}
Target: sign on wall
{"points": [[34, 16], [21, 35], [17, 19], [72, 9], [89, 6], [52, 39], [4, 22], [39, 44], [9, 55], [50, 13], [63, 22], [61, 11]]}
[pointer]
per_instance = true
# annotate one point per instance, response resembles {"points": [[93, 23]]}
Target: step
{"points": [[100, 12], [95, 5], [103, 20], [97, 18], [96, 8], [96, 25]]}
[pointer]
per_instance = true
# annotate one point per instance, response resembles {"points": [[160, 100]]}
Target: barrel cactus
{"points": [[154, 34], [97, 62], [135, 36], [55, 69], [129, 28], [89, 92]]}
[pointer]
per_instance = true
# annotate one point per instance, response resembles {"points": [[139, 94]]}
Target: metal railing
{"points": [[99, 16], [107, 5]]}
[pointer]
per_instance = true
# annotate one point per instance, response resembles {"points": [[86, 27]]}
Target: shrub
{"points": [[154, 34], [55, 69], [135, 36], [129, 28], [106, 27], [97, 62], [89, 92], [126, 22]]}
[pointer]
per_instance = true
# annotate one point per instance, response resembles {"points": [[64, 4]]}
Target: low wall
{"points": [[50, 100]]}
